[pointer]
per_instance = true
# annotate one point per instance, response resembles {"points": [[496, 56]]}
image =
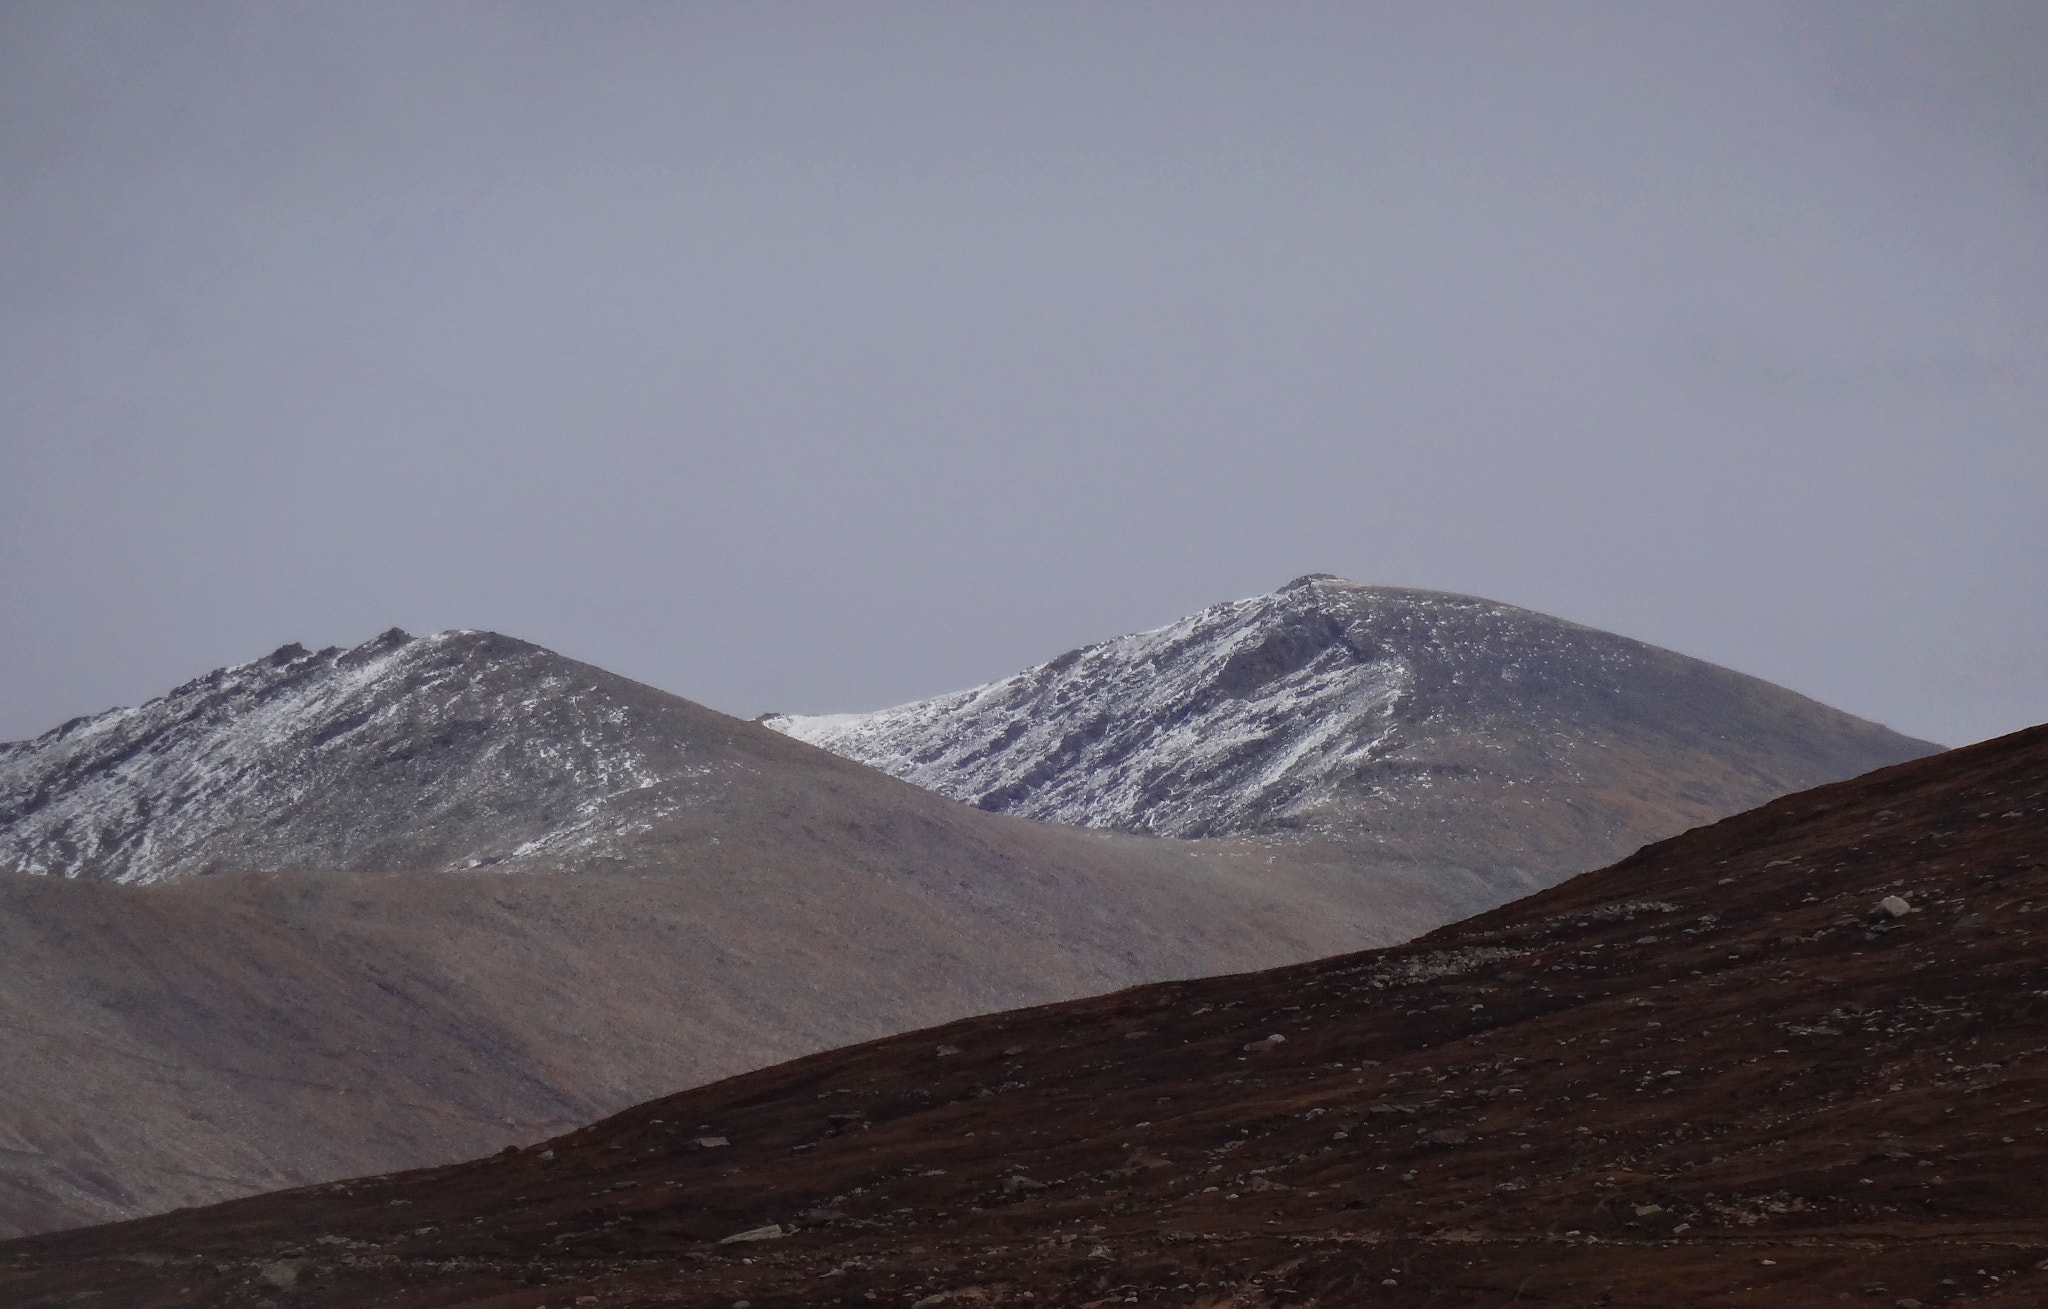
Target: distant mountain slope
{"points": [[1793, 1059], [517, 892], [1440, 729]]}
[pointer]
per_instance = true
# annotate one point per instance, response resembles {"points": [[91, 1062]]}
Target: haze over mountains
{"points": [[344, 911], [1432, 729]]}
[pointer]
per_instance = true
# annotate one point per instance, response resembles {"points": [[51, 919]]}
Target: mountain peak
{"points": [[1310, 579], [1404, 718], [461, 747]]}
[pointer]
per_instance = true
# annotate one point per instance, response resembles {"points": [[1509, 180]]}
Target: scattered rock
{"points": [[1260, 1047], [285, 1273], [772, 1231], [1894, 906]]}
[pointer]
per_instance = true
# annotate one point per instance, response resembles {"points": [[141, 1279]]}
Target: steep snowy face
{"points": [[1407, 717], [1223, 720], [460, 749], [1231, 720]]}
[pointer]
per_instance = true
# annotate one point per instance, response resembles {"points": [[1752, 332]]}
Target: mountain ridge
{"points": [[384, 890]]}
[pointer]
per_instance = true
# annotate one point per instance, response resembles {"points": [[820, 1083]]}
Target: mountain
{"points": [[1796, 1057], [458, 750], [1440, 731], [348, 911]]}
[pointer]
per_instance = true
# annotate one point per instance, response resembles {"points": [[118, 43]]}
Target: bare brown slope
{"points": [[210, 1036], [1721, 1072]]}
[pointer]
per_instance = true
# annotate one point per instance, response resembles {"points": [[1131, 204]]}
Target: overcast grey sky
{"points": [[819, 357]]}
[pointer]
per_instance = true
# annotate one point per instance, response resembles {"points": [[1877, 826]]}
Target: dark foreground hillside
{"points": [[1798, 1057]]}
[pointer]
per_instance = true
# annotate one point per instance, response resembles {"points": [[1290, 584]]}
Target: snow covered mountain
{"points": [[1442, 728], [1384, 760], [454, 750]]}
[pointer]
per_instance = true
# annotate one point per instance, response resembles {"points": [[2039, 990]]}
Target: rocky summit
{"points": [[1799, 1057], [1439, 730]]}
